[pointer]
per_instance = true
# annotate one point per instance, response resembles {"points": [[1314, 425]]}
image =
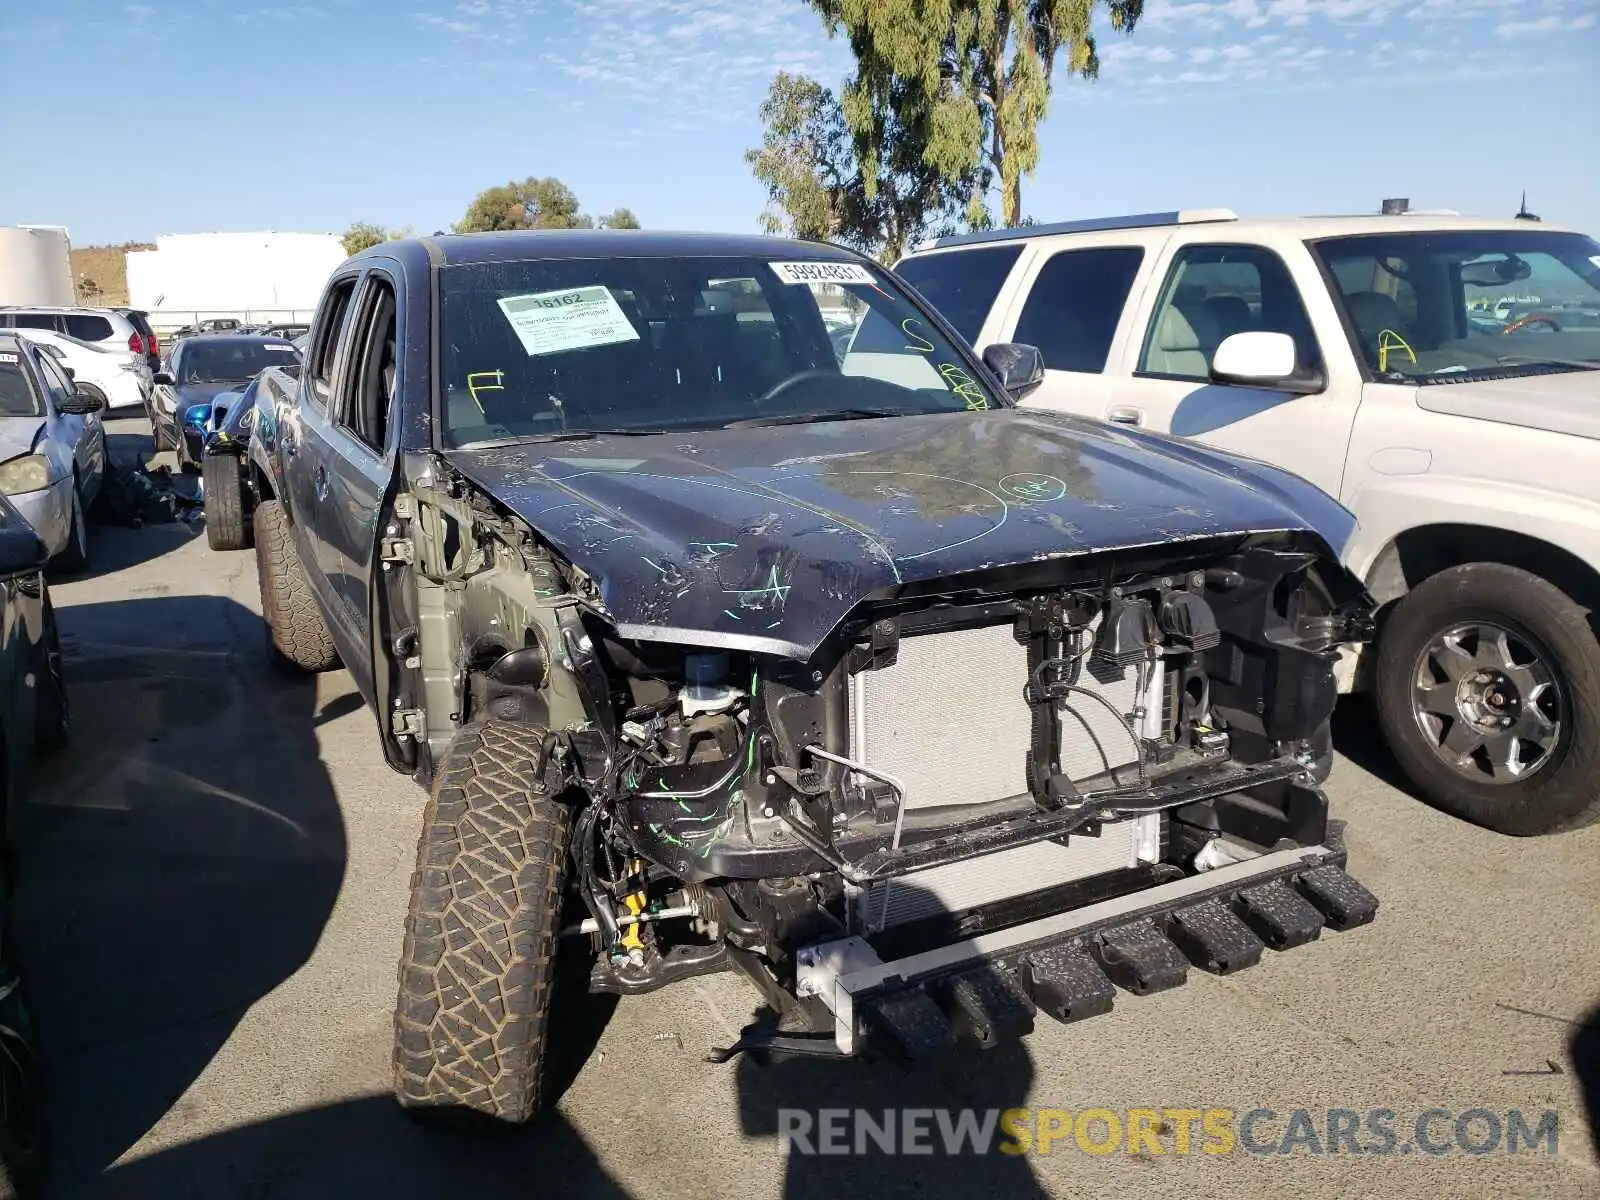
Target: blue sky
{"points": [[131, 120]]}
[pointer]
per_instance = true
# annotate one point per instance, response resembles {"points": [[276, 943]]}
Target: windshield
{"points": [[1458, 305], [233, 361], [561, 346], [16, 394]]}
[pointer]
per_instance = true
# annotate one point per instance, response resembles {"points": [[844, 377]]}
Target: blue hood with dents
{"points": [[764, 539]]}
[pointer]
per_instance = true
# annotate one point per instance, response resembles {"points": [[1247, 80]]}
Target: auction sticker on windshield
{"points": [[571, 319], [821, 272]]}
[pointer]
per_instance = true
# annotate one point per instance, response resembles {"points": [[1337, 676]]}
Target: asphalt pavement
{"points": [[211, 888]]}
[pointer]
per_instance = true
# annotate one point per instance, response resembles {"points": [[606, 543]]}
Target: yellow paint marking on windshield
{"points": [[916, 340], [1389, 340], [474, 387], [964, 385]]}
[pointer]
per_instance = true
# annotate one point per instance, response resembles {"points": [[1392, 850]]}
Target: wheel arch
{"points": [[1423, 551]]}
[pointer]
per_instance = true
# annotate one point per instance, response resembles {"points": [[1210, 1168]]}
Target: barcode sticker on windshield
{"points": [[571, 319], [821, 272], [8, 358]]}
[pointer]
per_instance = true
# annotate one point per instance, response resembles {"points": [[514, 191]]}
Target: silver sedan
{"points": [[52, 448]]}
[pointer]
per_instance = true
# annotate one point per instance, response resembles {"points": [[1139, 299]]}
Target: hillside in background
{"points": [[101, 272]]}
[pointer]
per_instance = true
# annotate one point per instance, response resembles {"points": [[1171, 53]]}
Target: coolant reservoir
{"points": [[706, 689]]}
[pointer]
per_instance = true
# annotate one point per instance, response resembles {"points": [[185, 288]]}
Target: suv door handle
{"points": [[1125, 414]]}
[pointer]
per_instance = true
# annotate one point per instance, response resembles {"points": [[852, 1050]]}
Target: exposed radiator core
{"points": [[949, 720]]}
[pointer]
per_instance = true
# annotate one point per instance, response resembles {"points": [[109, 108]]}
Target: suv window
{"points": [[61, 388], [1077, 299], [87, 327], [370, 388], [961, 284], [35, 321], [325, 340], [1213, 292]]}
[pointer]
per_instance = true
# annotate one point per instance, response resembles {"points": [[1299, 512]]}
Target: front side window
{"points": [[17, 397], [231, 360], [1071, 313], [961, 284], [1451, 306], [568, 346], [1213, 292]]}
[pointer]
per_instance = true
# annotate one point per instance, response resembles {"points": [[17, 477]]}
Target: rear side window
{"points": [[35, 321], [1072, 312], [325, 342], [87, 327], [961, 284]]}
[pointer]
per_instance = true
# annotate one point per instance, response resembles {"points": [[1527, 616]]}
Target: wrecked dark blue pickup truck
{"points": [[734, 616]]}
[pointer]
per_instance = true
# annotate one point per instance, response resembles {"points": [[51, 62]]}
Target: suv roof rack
{"points": [[1192, 216]]}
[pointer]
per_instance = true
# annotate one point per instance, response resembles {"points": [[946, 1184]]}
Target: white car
{"points": [[120, 379], [1350, 350]]}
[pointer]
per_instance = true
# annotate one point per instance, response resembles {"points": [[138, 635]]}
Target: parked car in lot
{"points": [[34, 719], [140, 320], [715, 650], [202, 372], [118, 380], [112, 330], [1350, 351], [52, 448]]}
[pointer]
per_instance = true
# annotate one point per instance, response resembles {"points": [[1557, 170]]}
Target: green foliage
{"points": [[967, 82], [875, 191], [535, 204], [363, 235]]}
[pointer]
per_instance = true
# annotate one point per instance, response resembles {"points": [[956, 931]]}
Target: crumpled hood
{"points": [[1564, 403], [764, 539], [18, 435]]}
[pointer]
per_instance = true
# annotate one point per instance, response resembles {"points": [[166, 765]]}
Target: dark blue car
{"points": [[205, 375]]}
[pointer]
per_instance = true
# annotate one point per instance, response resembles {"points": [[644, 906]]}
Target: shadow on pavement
{"points": [[177, 864], [1356, 736], [964, 1078], [368, 1147], [1585, 1051]]}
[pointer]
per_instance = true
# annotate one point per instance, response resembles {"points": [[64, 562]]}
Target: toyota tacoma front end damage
{"points": [[727, 633]]}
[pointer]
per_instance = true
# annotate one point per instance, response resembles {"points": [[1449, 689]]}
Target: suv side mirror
{"points": [[162, 377], [81, 403], [1019, 367], [1263, 359]]}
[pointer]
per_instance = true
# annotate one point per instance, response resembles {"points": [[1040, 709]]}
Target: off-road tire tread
{"points": [[296, 633], [225, 524], [1553, 800], [479, 965]]}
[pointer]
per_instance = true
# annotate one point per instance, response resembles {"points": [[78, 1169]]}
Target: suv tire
{"points": [[1543, 625], [479, 967], [224, 492], [297, 636]]}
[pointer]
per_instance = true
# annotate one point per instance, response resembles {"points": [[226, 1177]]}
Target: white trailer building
{"points": [[36, 266], [254, 276]]}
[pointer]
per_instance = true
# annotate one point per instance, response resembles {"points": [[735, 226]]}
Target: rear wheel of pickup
{"points": [[224, 492], [297, 636], [1488, 688], [479, 967]]}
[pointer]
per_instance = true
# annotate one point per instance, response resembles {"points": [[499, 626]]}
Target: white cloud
{"points": [[1549, 24]]}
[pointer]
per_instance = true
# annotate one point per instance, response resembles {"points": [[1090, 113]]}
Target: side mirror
{"points": [[1259, 358], [162, 377], [69, 371], [81, 403], [1019, 367]]}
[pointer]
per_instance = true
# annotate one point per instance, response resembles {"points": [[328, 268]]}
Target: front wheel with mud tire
{"points": [[1488, 690], [297, 636], [479, 969]]}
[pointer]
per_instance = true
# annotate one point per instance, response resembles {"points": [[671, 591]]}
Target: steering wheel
{"points": [[798, 379], [1522, 323]]}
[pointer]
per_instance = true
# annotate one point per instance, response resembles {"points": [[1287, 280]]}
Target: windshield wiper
{"points": [[806, 418], [1583, 364], [561, 435]]}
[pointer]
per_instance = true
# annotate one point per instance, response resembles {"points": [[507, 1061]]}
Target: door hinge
{"points": [[396, 550], [408, 722], [404, 507]]}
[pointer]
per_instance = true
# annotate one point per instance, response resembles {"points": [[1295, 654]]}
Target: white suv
{"points": [[1439, 375]]}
